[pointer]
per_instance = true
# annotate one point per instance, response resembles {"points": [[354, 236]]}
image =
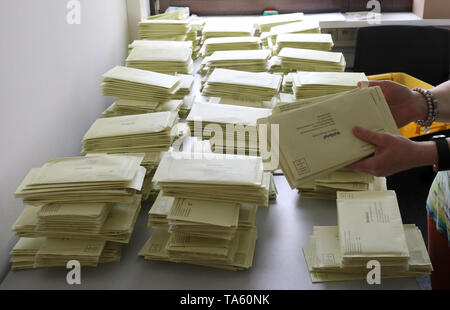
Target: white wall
{"points": [[50, 75]]}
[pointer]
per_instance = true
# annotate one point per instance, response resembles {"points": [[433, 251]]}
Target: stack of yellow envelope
{"points": [[135, 84], [124, 107], [326, 128], [160, 44], [310, 26], [297, 59], [242, 86], [164, 29], [22, 256], [369, 228], [167, 60], [244, 60], [233, 129], [312, 41], [212, 45], [150, 132], [102, 178], [265, 23], [187, 81], [117, 227], [217, 177], [227, 28], [326, 187], [316, 84]]}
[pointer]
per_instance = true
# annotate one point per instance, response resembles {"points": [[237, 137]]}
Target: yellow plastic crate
{"points": [[411, 130]]}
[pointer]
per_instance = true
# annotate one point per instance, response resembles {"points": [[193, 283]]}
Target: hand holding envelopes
{"points": [[129, 83], [297, 59], [106, 178], [133, 133], [318, 139], [230, 178], [315, 84], [260, 86], [212, 45]]}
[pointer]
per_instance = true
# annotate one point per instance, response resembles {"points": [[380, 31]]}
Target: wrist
{"points": [[420, 111], [426, 153]]}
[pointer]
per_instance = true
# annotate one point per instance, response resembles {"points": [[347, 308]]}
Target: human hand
{"points": [[393, 153], [406, 106]]}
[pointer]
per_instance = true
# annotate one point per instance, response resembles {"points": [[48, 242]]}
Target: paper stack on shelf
{"points": [[227, 28], [243, 86], [244, 60], [316, 84], [313, 41], [238, 124], [265, 23], [326, 128], [212, 45], [134, 84], [131, 134], [217, 177], [163, 29], [167, 60], [117, 227], [102, 178], [297, 59], [124, 107], [342, 252], [326, 187]]}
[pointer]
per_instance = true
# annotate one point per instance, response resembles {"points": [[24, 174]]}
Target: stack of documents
{"points": [[236, 254], [297, 59], [212, 45], [370, 228], [326, 187], [326, 128], [102, 178], [160, 29], [167, 60], [129, 83], [240, 85], [265, 23], [150, 132], [310, 26], [124, 107], [117, 227], [160, 44], [24, 252], [244, 60], [315, 84], [230, 28], [232, 128], [312, 41], [217, 177], [187, 81]]}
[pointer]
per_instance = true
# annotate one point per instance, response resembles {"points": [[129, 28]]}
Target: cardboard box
{"points": [[439, 9]]}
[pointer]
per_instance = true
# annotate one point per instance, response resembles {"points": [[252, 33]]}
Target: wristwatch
{"points": [[443, 153]]}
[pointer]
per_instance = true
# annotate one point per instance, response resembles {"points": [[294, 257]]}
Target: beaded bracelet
{"points": [[432, 108]]}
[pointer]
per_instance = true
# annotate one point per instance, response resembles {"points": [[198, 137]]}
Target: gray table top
{"points": [[283, 229]]}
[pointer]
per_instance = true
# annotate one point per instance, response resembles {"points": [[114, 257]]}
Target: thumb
{"points": [[367, 135]]}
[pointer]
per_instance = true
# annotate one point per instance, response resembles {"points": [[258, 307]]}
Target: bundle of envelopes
{"points": [[244, 86], [265, 23], [164, 29], [233, 128], [102, 178], [150, 132], [124, 107], [116, 227], [168, 60], [310, 26], [298, 59], [369, 228], [315, 84], [212, 45], [312, 41], [326, 187], [244, 60], [227, 28], [326, 128], [217, 177], [135, 84]]}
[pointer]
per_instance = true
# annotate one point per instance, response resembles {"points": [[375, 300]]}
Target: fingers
{"points": [[368, 165], [367, 135]]}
